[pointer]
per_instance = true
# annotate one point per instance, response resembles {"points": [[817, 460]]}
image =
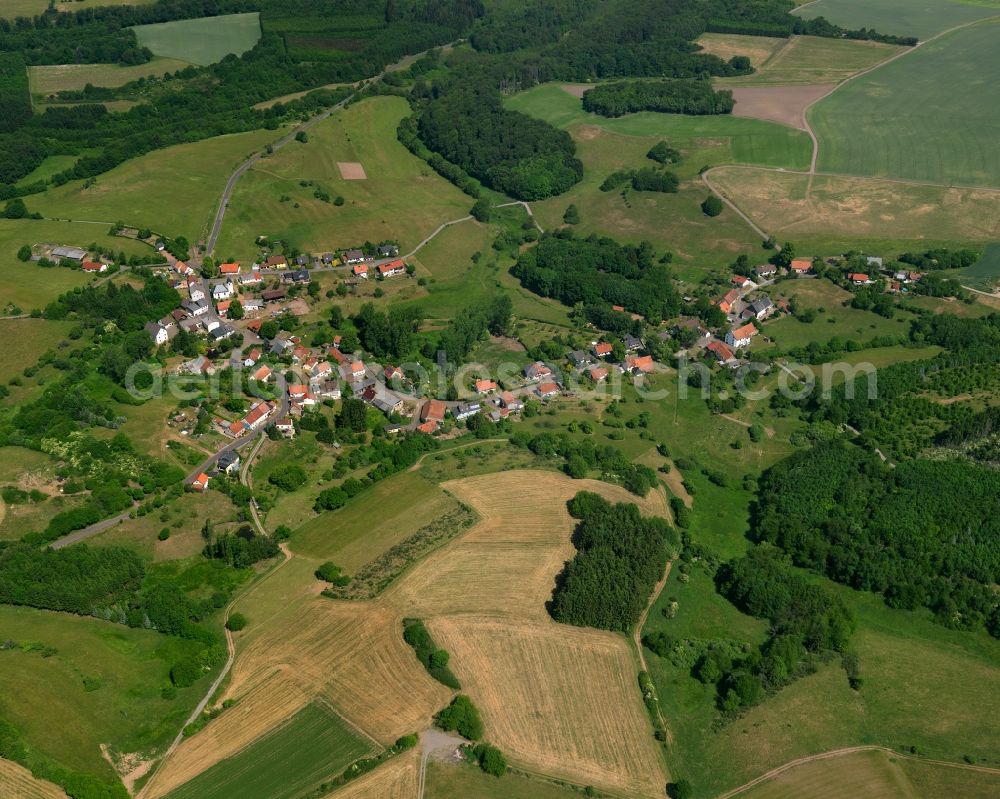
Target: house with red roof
{"points": [[392, 268], [721, 352], [639, 364], [433, 410], [741, 282], [740, 336], [393, 373], [262, 375], [859, 279], [276, 262], [485, 386], [297, 391], [801, 266], [94, 267], [361, 270], [598, 374], [429, 427], [200, 483], [232, 268], [510, 402], [728, 300], [537, 371], [546, 390], [602, 349]]}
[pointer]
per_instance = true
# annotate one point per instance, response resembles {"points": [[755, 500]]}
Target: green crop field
{"points": [[402, 198], [27, 285], [174, 191], [985, 273], [922, 117], [389, 512], [45, 698], [201, 41], [922, 18], [314, 745], [73, 77]]}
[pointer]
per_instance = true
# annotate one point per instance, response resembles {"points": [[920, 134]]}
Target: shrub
{"points": [[164, 534], [491, 759], [712, 206], [236, 622], [433, 659], [462, 717], [186, 671]]}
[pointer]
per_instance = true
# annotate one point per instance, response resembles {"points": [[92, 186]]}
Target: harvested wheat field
{"points": [[557, 699], [785, 105], [352, 655], [507, 563], [16, 782], [351, 170], [396, 779]]}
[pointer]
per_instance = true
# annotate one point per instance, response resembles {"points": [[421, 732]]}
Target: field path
{"points": [[437, 744], [637, 638], [849, 750]]}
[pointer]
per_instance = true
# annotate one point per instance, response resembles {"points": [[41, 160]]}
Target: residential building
{"points": [[262, 374], [466, 409], [250, 279], [432, 410], [598, 374], [230, 268], [388, 251], [196, 307], [578, 358], [639, 364], [361, 270], [94, 266], [537, 371], [728, 301], [157, 332], [632, 344], [740, 336], [510, 402], [200, 483], [766, 271], [801, 266], [392, 268], [721, 352], [741, 282], [353, 257], [485, 386], [228, 462], [546, 390], [859, 278], [761, 308], [276, 262]]}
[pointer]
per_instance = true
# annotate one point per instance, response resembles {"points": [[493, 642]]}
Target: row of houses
{"points": [[389, 269]]}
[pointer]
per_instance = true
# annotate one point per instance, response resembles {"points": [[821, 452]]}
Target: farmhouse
{"points": [[230, 268], [510, 402], [728, 300], [392, 268], [536, 371], [801, 266], [94, 266], [740, 336], [639, 364], [157, 332], [432, 411], [721, 352]]}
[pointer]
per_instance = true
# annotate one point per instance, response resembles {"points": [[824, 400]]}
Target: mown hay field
{"points": [[201, 41], [313, 746], [16, 782], [73, 77], [396, 779], [837, 214]]}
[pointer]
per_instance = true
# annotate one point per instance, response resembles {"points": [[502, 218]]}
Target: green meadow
{"points": [[313, 746], [74, 77], [201, 41], [120, 706], [922, 117]]}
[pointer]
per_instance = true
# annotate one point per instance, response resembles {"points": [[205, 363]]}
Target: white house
{"points": [[740, 336], [157, 332]]}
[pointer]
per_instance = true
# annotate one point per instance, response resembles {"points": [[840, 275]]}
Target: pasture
{"points": [[921, 18], [941, 128], [174, 191], [401, 199], [313, 746], [201, 41], [28, 285], [798, 59], [25, 340], [837, 214], [52, 165], [47, 80], [932, 780], [16, 782], [45, 697]]}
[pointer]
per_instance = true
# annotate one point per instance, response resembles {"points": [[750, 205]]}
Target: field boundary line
{"points": [[849, 750], [637, 640]]}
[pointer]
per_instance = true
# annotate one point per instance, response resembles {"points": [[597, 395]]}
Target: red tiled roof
{"points": [[598, 373], [433, 410], [602, 348], [720, 349], [643, 364], [801, 264], [746, 331], [230, 268], [428, 427], [548, 388]]}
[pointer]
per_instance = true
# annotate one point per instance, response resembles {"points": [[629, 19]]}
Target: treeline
{"points": [[15, 99], [467, 124], [432, 658], [924, 534], [620, 557], [941, 258], [667, 96], [599, 271], [128, 307], [644, 179]]}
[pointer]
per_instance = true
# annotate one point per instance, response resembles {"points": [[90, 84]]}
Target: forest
{"points": [[923, 534], [15, 99], [599, 271], [620, 557], [694, 97]]}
